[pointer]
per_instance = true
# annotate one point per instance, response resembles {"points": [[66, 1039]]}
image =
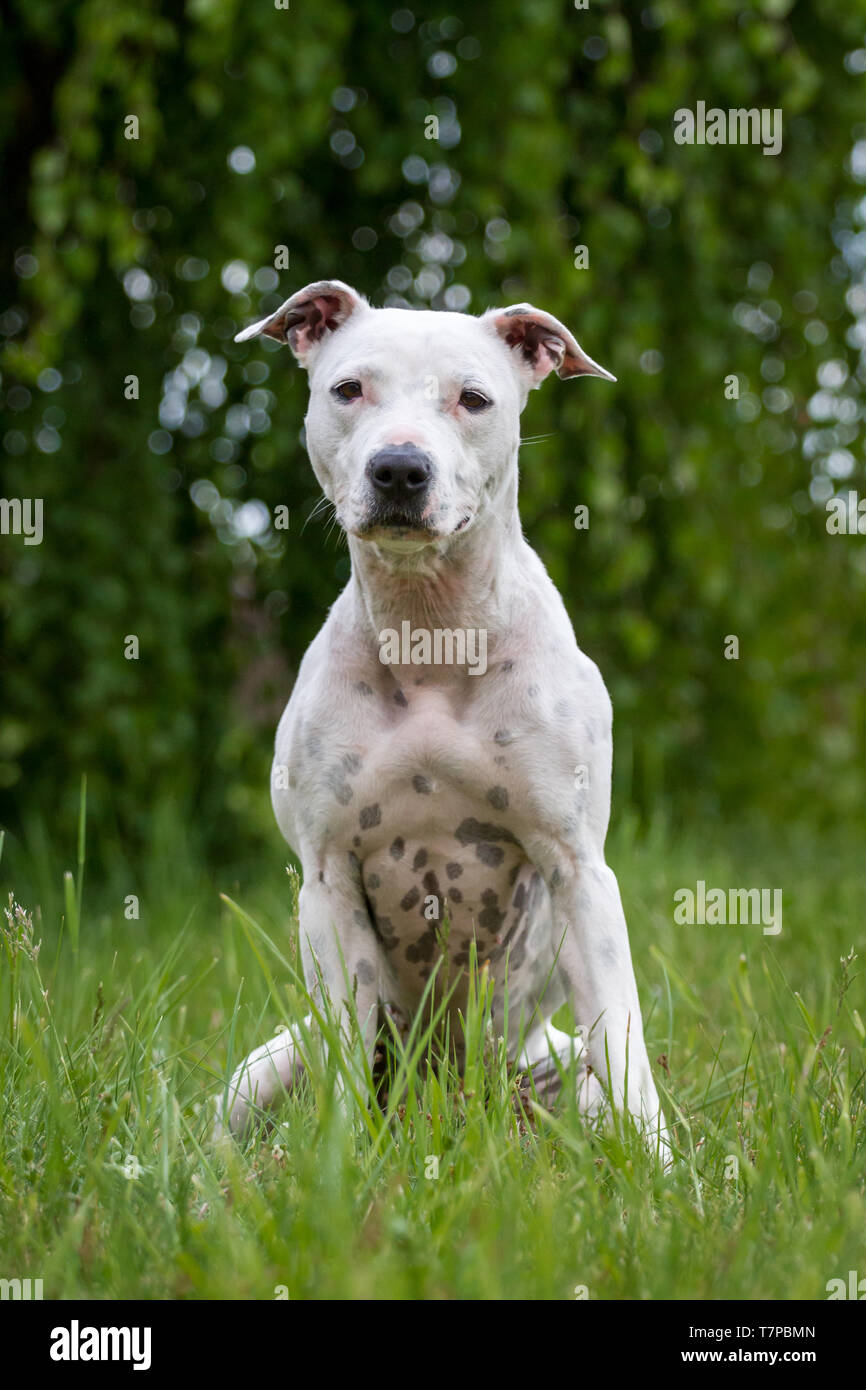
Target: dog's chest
{"points": [[434, 829]]}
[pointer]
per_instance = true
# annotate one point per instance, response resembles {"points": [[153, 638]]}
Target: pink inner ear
{"points": [[315, 317], [541, 352]]}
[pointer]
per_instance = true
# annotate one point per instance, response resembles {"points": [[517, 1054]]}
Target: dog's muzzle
{"points": [[399, 476]]}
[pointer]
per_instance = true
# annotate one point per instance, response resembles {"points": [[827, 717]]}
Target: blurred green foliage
{"points": [[305, 128]]}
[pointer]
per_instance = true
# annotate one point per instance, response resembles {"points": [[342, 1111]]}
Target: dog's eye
{"points": [[347, 390], [473, 400]]}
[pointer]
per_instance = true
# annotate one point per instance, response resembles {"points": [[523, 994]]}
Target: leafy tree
{"points": [[162, 450]]}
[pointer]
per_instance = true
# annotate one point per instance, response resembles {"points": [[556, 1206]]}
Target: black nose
{"points": [[400, 472]]}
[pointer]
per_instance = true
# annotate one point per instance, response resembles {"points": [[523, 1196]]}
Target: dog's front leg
{"points": [[340, 954], [595, 958], [340, 951]]}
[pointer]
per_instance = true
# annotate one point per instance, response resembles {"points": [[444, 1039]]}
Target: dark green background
{"points": [[556, 130]]}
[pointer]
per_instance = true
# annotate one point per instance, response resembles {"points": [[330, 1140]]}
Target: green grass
{"points": [[114, 1037]]}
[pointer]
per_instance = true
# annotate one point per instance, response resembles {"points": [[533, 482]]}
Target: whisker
{"points": [[320, 506], [332, 523]]}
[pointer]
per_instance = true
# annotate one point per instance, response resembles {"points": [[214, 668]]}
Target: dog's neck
{"points": [[465, 583]]}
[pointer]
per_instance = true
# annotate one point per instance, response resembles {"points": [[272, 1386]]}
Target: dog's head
{"points": [[414, 417]]}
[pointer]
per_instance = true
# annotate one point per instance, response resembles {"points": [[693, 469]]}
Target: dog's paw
{"points": [[261, 1080]]}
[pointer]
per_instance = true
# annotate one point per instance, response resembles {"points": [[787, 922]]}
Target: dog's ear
{"points": [[305, 318], [542, 344]]}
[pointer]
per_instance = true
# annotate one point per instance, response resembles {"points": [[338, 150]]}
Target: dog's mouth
{"points": [[397, 524], [399, 529]]}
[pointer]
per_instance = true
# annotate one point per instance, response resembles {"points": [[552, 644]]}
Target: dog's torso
{"points": [[425, 784]]}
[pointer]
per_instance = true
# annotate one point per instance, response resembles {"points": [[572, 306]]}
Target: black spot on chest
{"points": [[472, 832], [423, 948], [490, 917], [365, 972], [431, 883], [492, 855], [342, 791]]}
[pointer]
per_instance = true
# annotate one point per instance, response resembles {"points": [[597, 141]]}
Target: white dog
{"points": [[443, 767]]}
